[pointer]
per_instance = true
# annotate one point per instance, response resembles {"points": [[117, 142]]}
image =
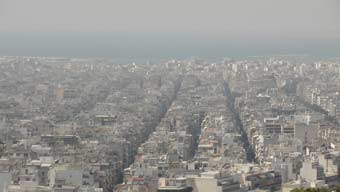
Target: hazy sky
{"points": [[150, 22]]}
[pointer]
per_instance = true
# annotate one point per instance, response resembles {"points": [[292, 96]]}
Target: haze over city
{"points": [[169, 29], [169, 96]]}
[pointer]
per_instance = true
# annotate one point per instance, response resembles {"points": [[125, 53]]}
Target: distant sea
{"points": [[153, 48]]}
